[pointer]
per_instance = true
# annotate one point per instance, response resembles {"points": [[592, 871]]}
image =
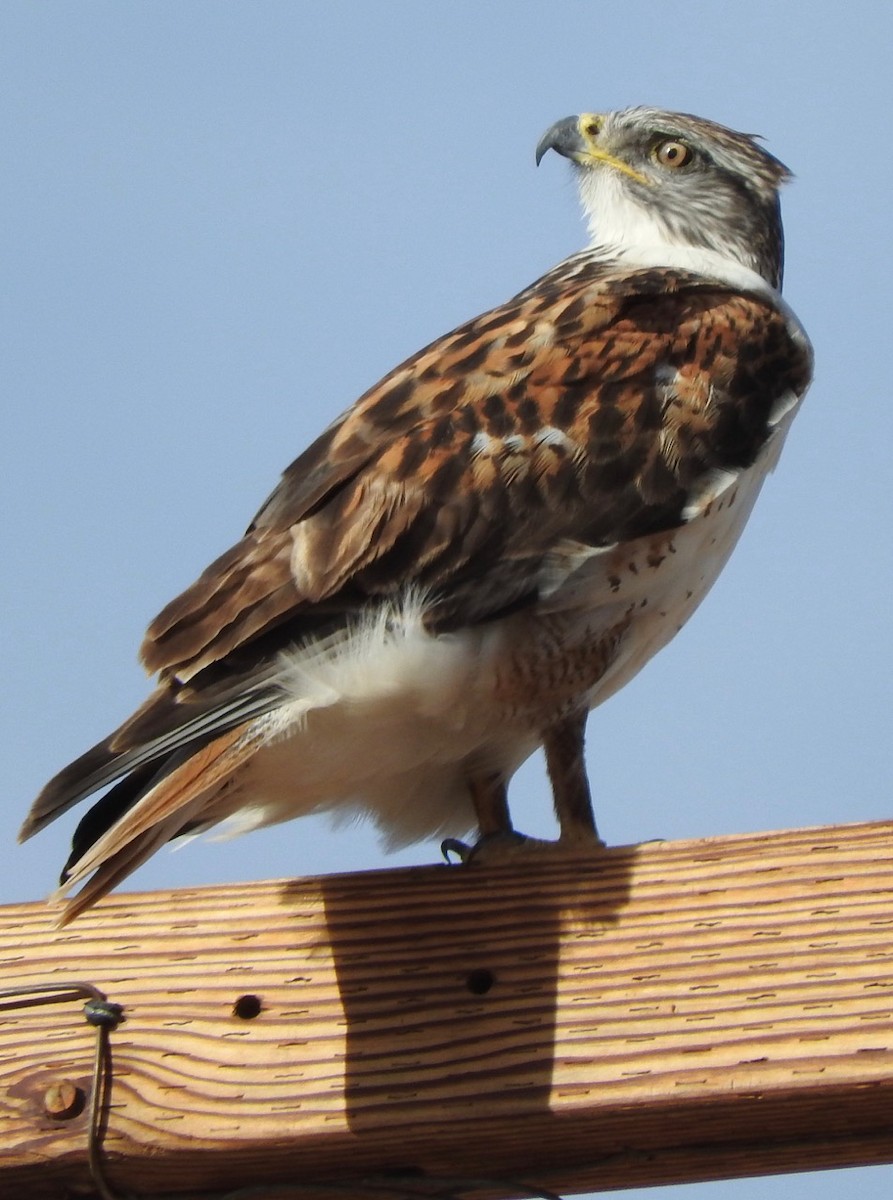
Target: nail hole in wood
{"points": [[480, 981], [247, 1007]]}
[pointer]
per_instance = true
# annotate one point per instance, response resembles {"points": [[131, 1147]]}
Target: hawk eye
{"points": [[672, 154]]}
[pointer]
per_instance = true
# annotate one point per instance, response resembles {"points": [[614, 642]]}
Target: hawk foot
{"points": [[511, 846]]}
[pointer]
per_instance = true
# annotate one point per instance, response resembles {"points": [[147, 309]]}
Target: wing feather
{"points": [[594, 407], [644, 382]]}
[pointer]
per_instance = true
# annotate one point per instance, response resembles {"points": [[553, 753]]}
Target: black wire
{"points": [[104, 1015]]}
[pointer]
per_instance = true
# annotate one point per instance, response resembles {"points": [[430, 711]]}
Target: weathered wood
{"points": [[685, 1011]]}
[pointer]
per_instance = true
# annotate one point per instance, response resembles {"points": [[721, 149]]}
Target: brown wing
{"points": [[588, 407]]}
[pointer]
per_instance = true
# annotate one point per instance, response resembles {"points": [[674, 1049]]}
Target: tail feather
{"points": [[107, 811], [170, 801], [163, 726], [109, 875], [86, 774]]}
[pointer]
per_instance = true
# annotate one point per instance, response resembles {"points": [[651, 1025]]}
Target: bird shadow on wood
{"points": [[450, 978]]}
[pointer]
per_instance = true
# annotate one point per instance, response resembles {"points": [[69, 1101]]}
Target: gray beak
{"points": [[563, 137]]}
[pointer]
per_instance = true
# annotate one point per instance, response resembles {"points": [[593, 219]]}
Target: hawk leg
{"points": [[489, 796], [563, 744]]}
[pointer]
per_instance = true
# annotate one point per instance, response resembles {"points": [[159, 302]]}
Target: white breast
{"points": [[658, 581], [388, 720]]}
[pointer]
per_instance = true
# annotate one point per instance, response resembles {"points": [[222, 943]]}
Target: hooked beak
{"points": [[576, 138]]}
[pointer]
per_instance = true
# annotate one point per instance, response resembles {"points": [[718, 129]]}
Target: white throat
{"points": [[622, 229], [697, 259]]}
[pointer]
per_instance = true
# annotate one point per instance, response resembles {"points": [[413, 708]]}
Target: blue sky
{"points": [[223, 221]]}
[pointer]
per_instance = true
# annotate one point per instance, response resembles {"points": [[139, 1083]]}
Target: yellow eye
{"points": [[672, 154]]}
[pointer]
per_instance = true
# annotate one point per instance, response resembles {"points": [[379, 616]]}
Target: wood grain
{"points": [[669, 1012]]}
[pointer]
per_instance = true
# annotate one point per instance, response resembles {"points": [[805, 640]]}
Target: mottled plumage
{"points": [[491, 541]]}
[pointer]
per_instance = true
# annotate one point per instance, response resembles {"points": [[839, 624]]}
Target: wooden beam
{"points": [[684, 1011]]}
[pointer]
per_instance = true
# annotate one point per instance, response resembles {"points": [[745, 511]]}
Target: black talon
{"points": [[453, 846], [468, 854]]}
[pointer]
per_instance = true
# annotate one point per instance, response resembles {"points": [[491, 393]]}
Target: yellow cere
{"points": [[589, 125]]}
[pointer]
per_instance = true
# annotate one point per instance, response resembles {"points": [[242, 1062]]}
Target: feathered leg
{"points": [[563, 743], [565, 762], [489, 795]]}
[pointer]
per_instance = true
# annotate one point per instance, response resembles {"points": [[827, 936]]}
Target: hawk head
{"points": [[650, 178]]}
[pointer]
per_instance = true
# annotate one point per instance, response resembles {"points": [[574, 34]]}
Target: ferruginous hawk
{"points": [[490, 542]]}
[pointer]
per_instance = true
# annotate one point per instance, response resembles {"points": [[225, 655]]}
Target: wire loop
{"points": [[104, 1015]]}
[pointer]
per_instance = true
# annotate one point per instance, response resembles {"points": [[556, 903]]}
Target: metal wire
{"points": [[104, 1016]]}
